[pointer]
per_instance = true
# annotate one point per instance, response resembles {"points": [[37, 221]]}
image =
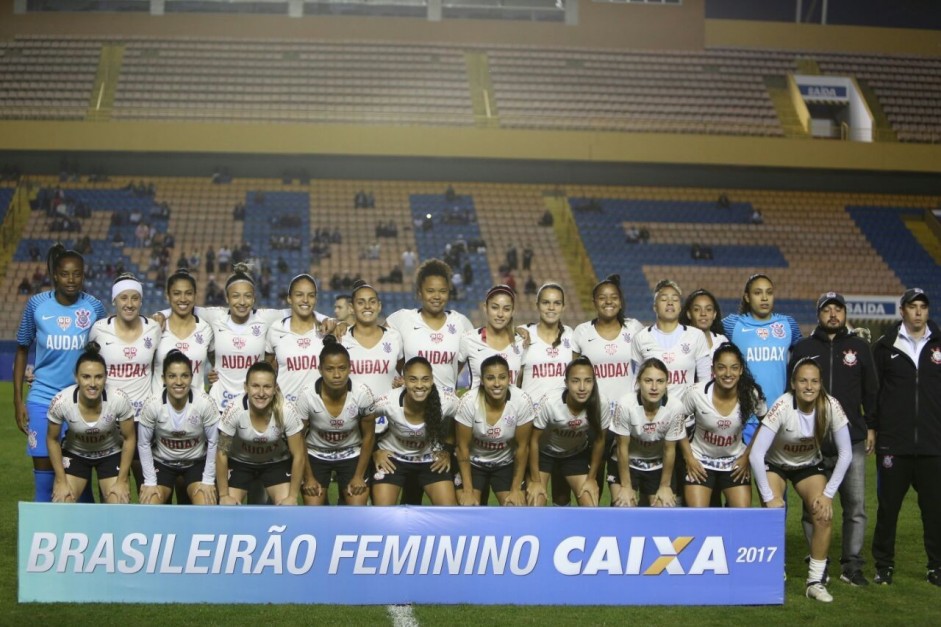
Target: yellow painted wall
{"points": [[312, 139]]}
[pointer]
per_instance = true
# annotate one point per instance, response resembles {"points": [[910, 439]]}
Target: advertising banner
{"points": [[377, 555]]}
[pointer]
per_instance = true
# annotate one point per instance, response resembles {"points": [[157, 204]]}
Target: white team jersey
{"points": [[438, 346], [253, 447], [647, 436], [332, 437], [129, 363], [474, 350], [542, 365], [494, 445], [179, 437], [91, 440], [406, 441], [197, 346], [718, 439], [685, 352], [237, 347], [565, 434], [610, 358], [374, 367], [717, 340], [297, 354], [794, 445]]}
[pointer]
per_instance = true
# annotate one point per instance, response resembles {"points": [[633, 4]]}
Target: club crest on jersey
{"points": [[451, 328], [552, 351], [82, 318], [850, 358], [627, 337], [199, 338], [130, 352], [669, 357], [777, 330], [64, 322], [238, 342], [685, 348], [193, 420], [762, 333], [723, 423], [387, 347], [437, 338], [611, 348], [888, 461], [936, 356], [510, 420], [303, 342], [351, 411], [148, 343], [566, 343], [256, 330]]}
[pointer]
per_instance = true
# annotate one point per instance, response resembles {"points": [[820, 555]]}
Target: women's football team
{"points": [[663, 414]]}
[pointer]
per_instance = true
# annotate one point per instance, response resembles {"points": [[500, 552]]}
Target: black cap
{"points": [[830, 297], [914, 293]]}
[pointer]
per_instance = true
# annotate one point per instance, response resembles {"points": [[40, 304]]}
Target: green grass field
{"points": [[911, 600]]}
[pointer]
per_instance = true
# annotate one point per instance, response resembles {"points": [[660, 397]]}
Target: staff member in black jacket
{"points": [[850, 376], [906, 429]]}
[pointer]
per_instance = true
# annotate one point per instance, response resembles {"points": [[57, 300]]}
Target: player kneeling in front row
{"points": [[177, 437], [575, 420], [258, 439], [100, 434], [787, 446], [419, 440], [648, 426]]}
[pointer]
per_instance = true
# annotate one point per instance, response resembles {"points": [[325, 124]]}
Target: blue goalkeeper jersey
{"points": [[765, 345], [60, 332]]}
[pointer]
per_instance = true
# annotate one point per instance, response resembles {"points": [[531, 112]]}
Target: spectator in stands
{"points": [[182, 263], [194, 261], [457, 286], [336, 282], [34, 252], [210, 260], [547, 219], [84, 246], [140, 234], [282, 265], [169, 241], [214, 295], [756, 217], [449, 194], [509, 280], [264, 285], [25, 287], [38, 277], [118, 239], [632, 235], [238, 212], [530, 288], [528, 258], [512, 259], [370, 200], [468, 272], [644, 235], [722, 202], [224, 256], [409, 262], [336, 237], [359, 200], [427, 223]]}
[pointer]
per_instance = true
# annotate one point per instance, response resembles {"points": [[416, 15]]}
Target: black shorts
{"points": [[500, 479], [717, 480], [571, 466], [78, 466], [405, 471], [191, 473], [242, 475], [796, 475], [324, 470], [643, 481]]}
